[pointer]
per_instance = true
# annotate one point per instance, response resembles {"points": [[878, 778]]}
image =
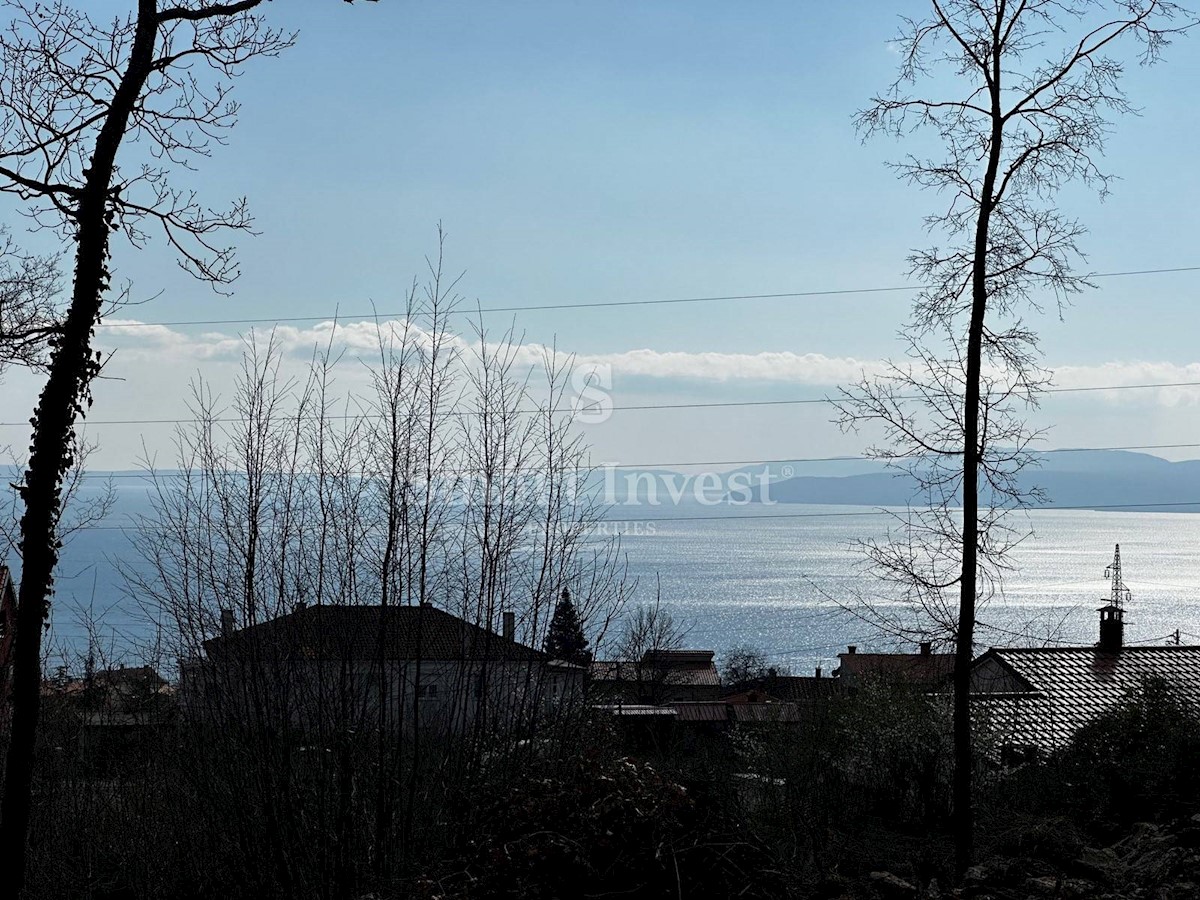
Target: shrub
{"points": [[1136, 762]]}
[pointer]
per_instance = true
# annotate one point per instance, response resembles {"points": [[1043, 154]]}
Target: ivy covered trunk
{"points": [[73, 365]]}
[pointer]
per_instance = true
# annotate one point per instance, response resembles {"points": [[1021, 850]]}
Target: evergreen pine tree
{"points": [[565, 640]]}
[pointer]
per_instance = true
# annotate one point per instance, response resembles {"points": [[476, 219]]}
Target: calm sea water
{"points": [[779, 583], [769, 582]]}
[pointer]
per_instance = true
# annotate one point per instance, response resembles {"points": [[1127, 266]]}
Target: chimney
{"points": [[926, 648], [1112, 627], [850, 649], [818, 671], [226, 622], [510, 626]]}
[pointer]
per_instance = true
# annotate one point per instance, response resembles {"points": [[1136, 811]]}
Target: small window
{"points": [[427, 690]]}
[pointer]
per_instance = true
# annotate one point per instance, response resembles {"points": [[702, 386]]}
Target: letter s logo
{"points": [[592, 404]]}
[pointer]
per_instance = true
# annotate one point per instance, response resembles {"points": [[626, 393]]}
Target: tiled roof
{"points": [[679, 658], [637, 709], [675, 667], [1042, 696], [353, 632], [766, 712], [784, 687], [714, 711], [907, 668], [702, 711], [612, 670]]}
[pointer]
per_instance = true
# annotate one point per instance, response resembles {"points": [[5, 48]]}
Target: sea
{"points": [[796, 585], [790, 581]]}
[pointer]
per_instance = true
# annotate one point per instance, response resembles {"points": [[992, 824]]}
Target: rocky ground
{"points": [[1151, 863]]}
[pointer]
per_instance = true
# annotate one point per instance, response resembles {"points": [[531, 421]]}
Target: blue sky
{"points": [[577, 152]]}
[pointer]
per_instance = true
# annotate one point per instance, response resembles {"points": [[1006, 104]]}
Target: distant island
{"points": [[1075, 479], [1078, 479]]}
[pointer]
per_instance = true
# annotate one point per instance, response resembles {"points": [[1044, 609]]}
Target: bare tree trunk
{"points": [[1006, 152], [72, 367], [964, 650]]}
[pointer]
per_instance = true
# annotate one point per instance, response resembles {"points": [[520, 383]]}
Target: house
{"points": [[110, 715], [807, 699], [374, 667], [924, 670], [773, 687], [1038, 697], [680, 694], [708, 712], [660, 676], [123, 695], [8, 630]]}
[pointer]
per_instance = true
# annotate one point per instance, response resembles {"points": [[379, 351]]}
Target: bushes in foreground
{"points": [[861, 787], [602, 824], [1134, 763]]}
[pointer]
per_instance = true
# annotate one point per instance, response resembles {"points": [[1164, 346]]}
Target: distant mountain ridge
{"points": [[1085, 479]]}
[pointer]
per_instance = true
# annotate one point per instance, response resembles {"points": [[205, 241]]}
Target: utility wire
{"points": [[605, 304], [666, 520], [737, 517], [225, 420], [601, 467]]}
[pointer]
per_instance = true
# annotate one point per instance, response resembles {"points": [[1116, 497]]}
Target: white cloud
{"points": [[1124, 373], [769, 366], [360, 341], [149, 379]]}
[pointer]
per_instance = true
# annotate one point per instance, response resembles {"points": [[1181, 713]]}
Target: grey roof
{"points": [[714, 711], [1042, 696], [679, 658], [784, 687], [676, 667], [930, 669], [766, 712], [636, 709], [354, 632], [702, 711]]}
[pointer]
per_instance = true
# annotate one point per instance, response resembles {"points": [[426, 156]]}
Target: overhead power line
{"points": [[721, 404], [882, 510], [853, 513], [602, 304], [602, 466], [863, 458]]}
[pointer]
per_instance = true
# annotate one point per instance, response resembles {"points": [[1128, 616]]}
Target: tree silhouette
{"points": [[29, 290], [1018, 94], [73, 93], [565, 639]]}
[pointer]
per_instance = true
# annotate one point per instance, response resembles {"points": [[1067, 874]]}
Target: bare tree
{"points": [[1030, 89], [648, 632], [72, 93], [29, 298], [430, 490], [743, 663]]}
